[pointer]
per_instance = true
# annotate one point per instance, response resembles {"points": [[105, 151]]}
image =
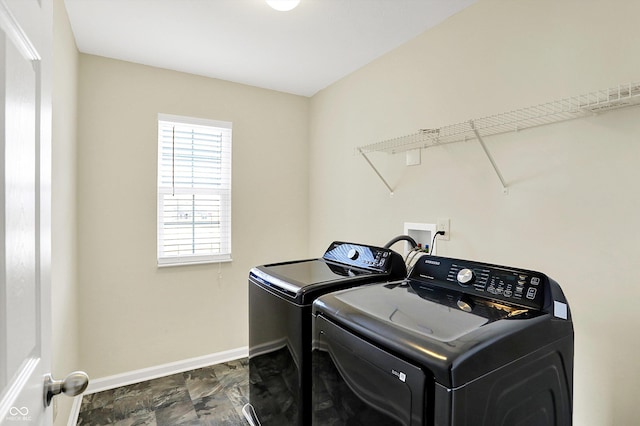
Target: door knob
{"points": [[74, 384]]}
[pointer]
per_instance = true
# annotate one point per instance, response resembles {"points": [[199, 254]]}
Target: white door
{"points": [[25, 157]]}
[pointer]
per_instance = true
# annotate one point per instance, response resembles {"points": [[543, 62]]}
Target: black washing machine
{"points": [[280, 322], [457, 343]]}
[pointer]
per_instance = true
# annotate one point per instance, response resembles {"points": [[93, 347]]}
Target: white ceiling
{"points": [[245, 41]]}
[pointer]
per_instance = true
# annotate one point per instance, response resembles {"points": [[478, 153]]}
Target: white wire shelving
{"points": [[622, 96]]}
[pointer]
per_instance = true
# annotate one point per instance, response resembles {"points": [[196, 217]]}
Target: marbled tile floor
{"points": [[207, 396]]}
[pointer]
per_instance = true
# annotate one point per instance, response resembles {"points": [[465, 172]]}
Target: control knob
{"points": [[466, 276], [353, 254]]}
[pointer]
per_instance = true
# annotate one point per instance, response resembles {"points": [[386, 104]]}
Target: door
{"points": [[25, 145]]}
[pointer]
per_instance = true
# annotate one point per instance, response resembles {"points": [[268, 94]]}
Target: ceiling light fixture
{"points": [[283, 5]]}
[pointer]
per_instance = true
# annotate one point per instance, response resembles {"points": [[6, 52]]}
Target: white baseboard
{"points": [[136, 376]]}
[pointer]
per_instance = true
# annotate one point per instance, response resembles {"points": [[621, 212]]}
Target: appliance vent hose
{"points": [[401, 238]]}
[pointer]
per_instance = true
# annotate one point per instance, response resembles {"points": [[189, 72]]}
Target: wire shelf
{"points": [[552, 112]]}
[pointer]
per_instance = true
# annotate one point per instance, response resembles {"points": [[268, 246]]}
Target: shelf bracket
{"points": [[505, 190], [376, 170]]}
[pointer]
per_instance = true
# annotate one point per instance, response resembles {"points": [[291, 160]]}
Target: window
{"points": [[194, 190]]}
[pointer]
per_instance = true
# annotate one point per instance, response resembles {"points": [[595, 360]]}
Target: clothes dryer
{"points": [[280, 299]]}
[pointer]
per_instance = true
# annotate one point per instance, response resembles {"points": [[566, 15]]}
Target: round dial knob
{"points": [[353, 254], [465, 303], [466, 276]]}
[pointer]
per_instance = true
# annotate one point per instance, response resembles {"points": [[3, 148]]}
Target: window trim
{"points": [[226, 213]]}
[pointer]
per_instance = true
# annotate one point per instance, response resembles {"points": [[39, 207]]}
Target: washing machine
{"points": [[280, 324], [457, 343]]}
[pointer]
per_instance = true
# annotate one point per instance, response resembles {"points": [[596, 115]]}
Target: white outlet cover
{"points": [[443, 225]]}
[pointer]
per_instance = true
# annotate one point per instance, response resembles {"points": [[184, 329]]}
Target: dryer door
{"points": [[357, 383]]}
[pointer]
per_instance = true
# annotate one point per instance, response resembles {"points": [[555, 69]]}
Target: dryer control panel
{"points": [[360, 256], [515, 286]]}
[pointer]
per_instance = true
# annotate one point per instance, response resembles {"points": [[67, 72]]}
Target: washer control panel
{"points": [[500, 283], [360, 256]]}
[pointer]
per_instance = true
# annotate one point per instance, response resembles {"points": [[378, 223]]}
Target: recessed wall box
{"points": [[421, 232]]}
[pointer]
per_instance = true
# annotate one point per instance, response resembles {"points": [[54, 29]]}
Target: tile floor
{"points": [[207, 396]]}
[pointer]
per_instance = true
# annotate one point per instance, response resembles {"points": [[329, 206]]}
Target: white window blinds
{"points": [[194, 190]]}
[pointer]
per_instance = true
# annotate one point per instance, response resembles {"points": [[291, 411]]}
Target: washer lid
{"points": [[404, 308]]}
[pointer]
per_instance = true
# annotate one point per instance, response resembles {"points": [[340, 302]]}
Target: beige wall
{"points": [[573, 210], [135, 315], [63, 214]]}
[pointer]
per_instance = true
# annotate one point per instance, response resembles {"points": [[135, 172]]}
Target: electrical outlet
{"points": [[443, 225]]}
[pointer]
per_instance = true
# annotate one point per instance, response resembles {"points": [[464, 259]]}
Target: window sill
{"points": [[199, 262]]}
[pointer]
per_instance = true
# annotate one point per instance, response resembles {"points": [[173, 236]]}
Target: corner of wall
{"points": [[65, 318]]}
